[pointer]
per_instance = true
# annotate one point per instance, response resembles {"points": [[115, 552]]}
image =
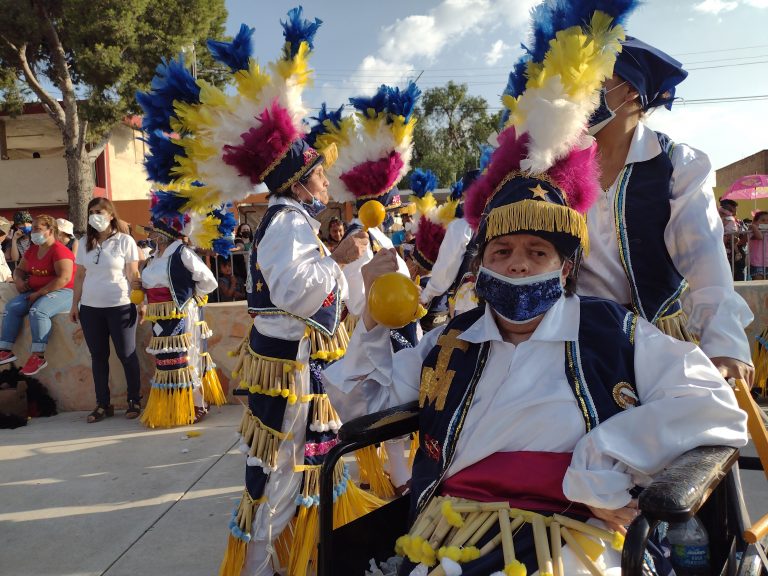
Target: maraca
{"points": [[372, 214], [393, 300], [137, 296]]}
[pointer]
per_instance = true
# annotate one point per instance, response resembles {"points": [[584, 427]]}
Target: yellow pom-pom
{"points": [[428, 555], [286, 368], [515, 568], [452, 552], [469, 553], [401, 544], [292, 398], [618, 541], [453, 517]]}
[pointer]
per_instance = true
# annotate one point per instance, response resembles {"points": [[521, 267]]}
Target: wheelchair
{"points": [[703, 481]]}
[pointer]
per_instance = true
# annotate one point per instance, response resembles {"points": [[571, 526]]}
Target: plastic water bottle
{"points": [[690, 548]]}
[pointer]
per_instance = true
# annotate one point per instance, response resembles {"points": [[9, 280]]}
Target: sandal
{"points": [[134, 409], [100, 413], [200, 413]]}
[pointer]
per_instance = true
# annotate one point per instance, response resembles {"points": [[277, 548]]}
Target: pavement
{"points": [[115, 499]]}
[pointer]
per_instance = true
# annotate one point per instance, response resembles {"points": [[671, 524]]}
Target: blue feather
{"points": [[378, 102], [161, 157], [236, 54], [486, 151], [318, 128], [172, 82], [402, 103], [223, 244], [423, 181], [297, 30], [457, 189], [167, 205]]}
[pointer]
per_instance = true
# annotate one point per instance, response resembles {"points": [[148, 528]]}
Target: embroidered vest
{"points": [[182, 284], [326, 319], [642, 211], [599, 367], [439, 304]]}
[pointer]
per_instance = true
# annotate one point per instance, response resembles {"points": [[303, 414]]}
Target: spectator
{"points": [[5, 271], [244, 236], [757, 245], [335, 233], [20, 239], [67, 234], [735, 241], [146, 249], [44, 278], [107, 263], [231, 287]]}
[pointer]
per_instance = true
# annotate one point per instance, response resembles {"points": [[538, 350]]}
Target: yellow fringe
{"points": [[212, 391], [325, 348], [284, 542], [676, 325], [760, 360], [169, 407], [179, 343], [414, 447], [372, 470], [537, 215], [234, 557], [163, 311], [266, 375]]}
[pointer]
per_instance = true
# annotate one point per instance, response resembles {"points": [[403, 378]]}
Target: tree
{"points": [[96, 53], [452, 125]]}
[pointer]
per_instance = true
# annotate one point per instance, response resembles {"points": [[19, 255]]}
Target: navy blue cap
{"points": [[298, 161], [653, 73]]}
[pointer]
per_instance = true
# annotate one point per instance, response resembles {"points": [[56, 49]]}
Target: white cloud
{"points": [[716, 6], [496, 52], [756, 3]]}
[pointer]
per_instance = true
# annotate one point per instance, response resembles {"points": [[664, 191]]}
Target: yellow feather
{"points": [[402, 131], [297, 69], [424, 205], [447, 211], [251, 82], [207, 232]]}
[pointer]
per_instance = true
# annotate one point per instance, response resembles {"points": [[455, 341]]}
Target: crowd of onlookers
{"points": [[746, 241]]}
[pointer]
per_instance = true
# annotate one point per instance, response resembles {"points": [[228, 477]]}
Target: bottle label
{"points": [[690, 556]]}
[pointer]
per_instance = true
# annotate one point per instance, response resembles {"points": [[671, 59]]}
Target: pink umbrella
{"points": [[749, 187]]}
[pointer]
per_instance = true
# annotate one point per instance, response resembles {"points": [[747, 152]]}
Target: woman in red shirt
{"points": [[44, 279]]}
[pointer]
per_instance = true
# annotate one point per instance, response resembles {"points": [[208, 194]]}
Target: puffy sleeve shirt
{"points": [[457, 235], [106, 284], [523, 402], [155, 274], [694, 240]]}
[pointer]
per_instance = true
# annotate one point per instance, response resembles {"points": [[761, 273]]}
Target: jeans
{"points": [[40, 314], [119, 323]]}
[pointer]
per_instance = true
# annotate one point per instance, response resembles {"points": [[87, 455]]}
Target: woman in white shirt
{"points": [[107, 262]]}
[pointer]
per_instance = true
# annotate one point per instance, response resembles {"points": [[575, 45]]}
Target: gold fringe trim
{"points": [[324, 416], [169, 407], [676, 325], [259, 442], [163, 311], [325, 348], [539, 216], [174, 378], [371, 466], [234, 557], [205, 330], [212, 390], [760, 360], [237, 546], [265, 375], [168, 344], [413, 449]]}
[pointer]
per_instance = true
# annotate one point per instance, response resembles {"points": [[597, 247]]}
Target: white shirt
{"points": [[354, 275], [523, 401], [299, 278], [5, 271], [458, 233], [105, 284], [694, 240], [155, 273]]}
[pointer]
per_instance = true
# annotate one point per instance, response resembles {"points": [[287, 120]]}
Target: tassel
{"points": [[169, 344], [760, 360], [371, 468], [413, 449], [266, 375], [234, 557], [168, 407], [328, 349], [676, 325], [163, 311], [212, 391]]}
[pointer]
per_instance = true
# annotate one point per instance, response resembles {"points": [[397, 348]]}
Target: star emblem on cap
{"points": [[538, 191]]}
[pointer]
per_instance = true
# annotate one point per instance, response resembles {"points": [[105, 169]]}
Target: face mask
{"points": [[38, 238], [603, 113], [519, 300], [99, 221], [26, 229], [314, 208]]}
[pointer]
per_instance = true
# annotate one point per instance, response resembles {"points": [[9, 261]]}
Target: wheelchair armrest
{"points": [[381, 426], [678, 492]]}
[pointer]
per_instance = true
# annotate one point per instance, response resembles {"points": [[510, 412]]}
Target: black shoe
{"points": [[100, 413], [134, 409]]}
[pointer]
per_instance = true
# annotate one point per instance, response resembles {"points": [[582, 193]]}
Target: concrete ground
{"points": [[116, 499]]}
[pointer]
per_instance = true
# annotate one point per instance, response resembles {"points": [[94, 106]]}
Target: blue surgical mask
{"points": [[314, 208], [38, 238], [603, 114], [26, 229], [519, 300]]}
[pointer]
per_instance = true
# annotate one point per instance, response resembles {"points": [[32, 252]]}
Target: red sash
{"points": [[155, 295]]}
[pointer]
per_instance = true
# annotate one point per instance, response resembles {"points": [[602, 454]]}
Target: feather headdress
{"points": [[431, 218], [543, 177]]}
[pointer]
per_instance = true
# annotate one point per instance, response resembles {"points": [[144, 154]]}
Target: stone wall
{"points": [[69, 378]]}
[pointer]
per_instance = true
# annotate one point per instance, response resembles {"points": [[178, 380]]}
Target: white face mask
{"points": [[38, 238], [99, 221], [603, 114]]}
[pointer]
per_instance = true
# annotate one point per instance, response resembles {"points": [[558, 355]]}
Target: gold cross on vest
{"points": [[436, 381]]}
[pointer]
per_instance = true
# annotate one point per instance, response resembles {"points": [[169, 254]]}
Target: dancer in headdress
{"points": [[537, 401]]}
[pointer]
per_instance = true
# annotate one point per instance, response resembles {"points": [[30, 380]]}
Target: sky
{"points": [[363, 44]]}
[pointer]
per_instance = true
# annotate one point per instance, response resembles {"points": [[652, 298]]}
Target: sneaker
{"points": [[6, 356], [34, 364]]}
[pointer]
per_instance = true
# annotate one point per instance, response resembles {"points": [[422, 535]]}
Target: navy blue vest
{"points": [[326, 319], [182, 284], [438, 304], [599, 367], [642, 211]]}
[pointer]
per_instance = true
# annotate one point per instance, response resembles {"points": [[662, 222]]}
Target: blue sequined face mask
{"points": [[519, 300], [313, 208]]}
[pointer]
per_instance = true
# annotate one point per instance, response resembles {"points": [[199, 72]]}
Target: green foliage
{"points": [[111, 46], [452, 125]]}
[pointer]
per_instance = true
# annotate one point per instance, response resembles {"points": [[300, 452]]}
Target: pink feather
{"points": [[505, 159], [262, 144], [429, 236], [578, 176], [374, 177]]}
